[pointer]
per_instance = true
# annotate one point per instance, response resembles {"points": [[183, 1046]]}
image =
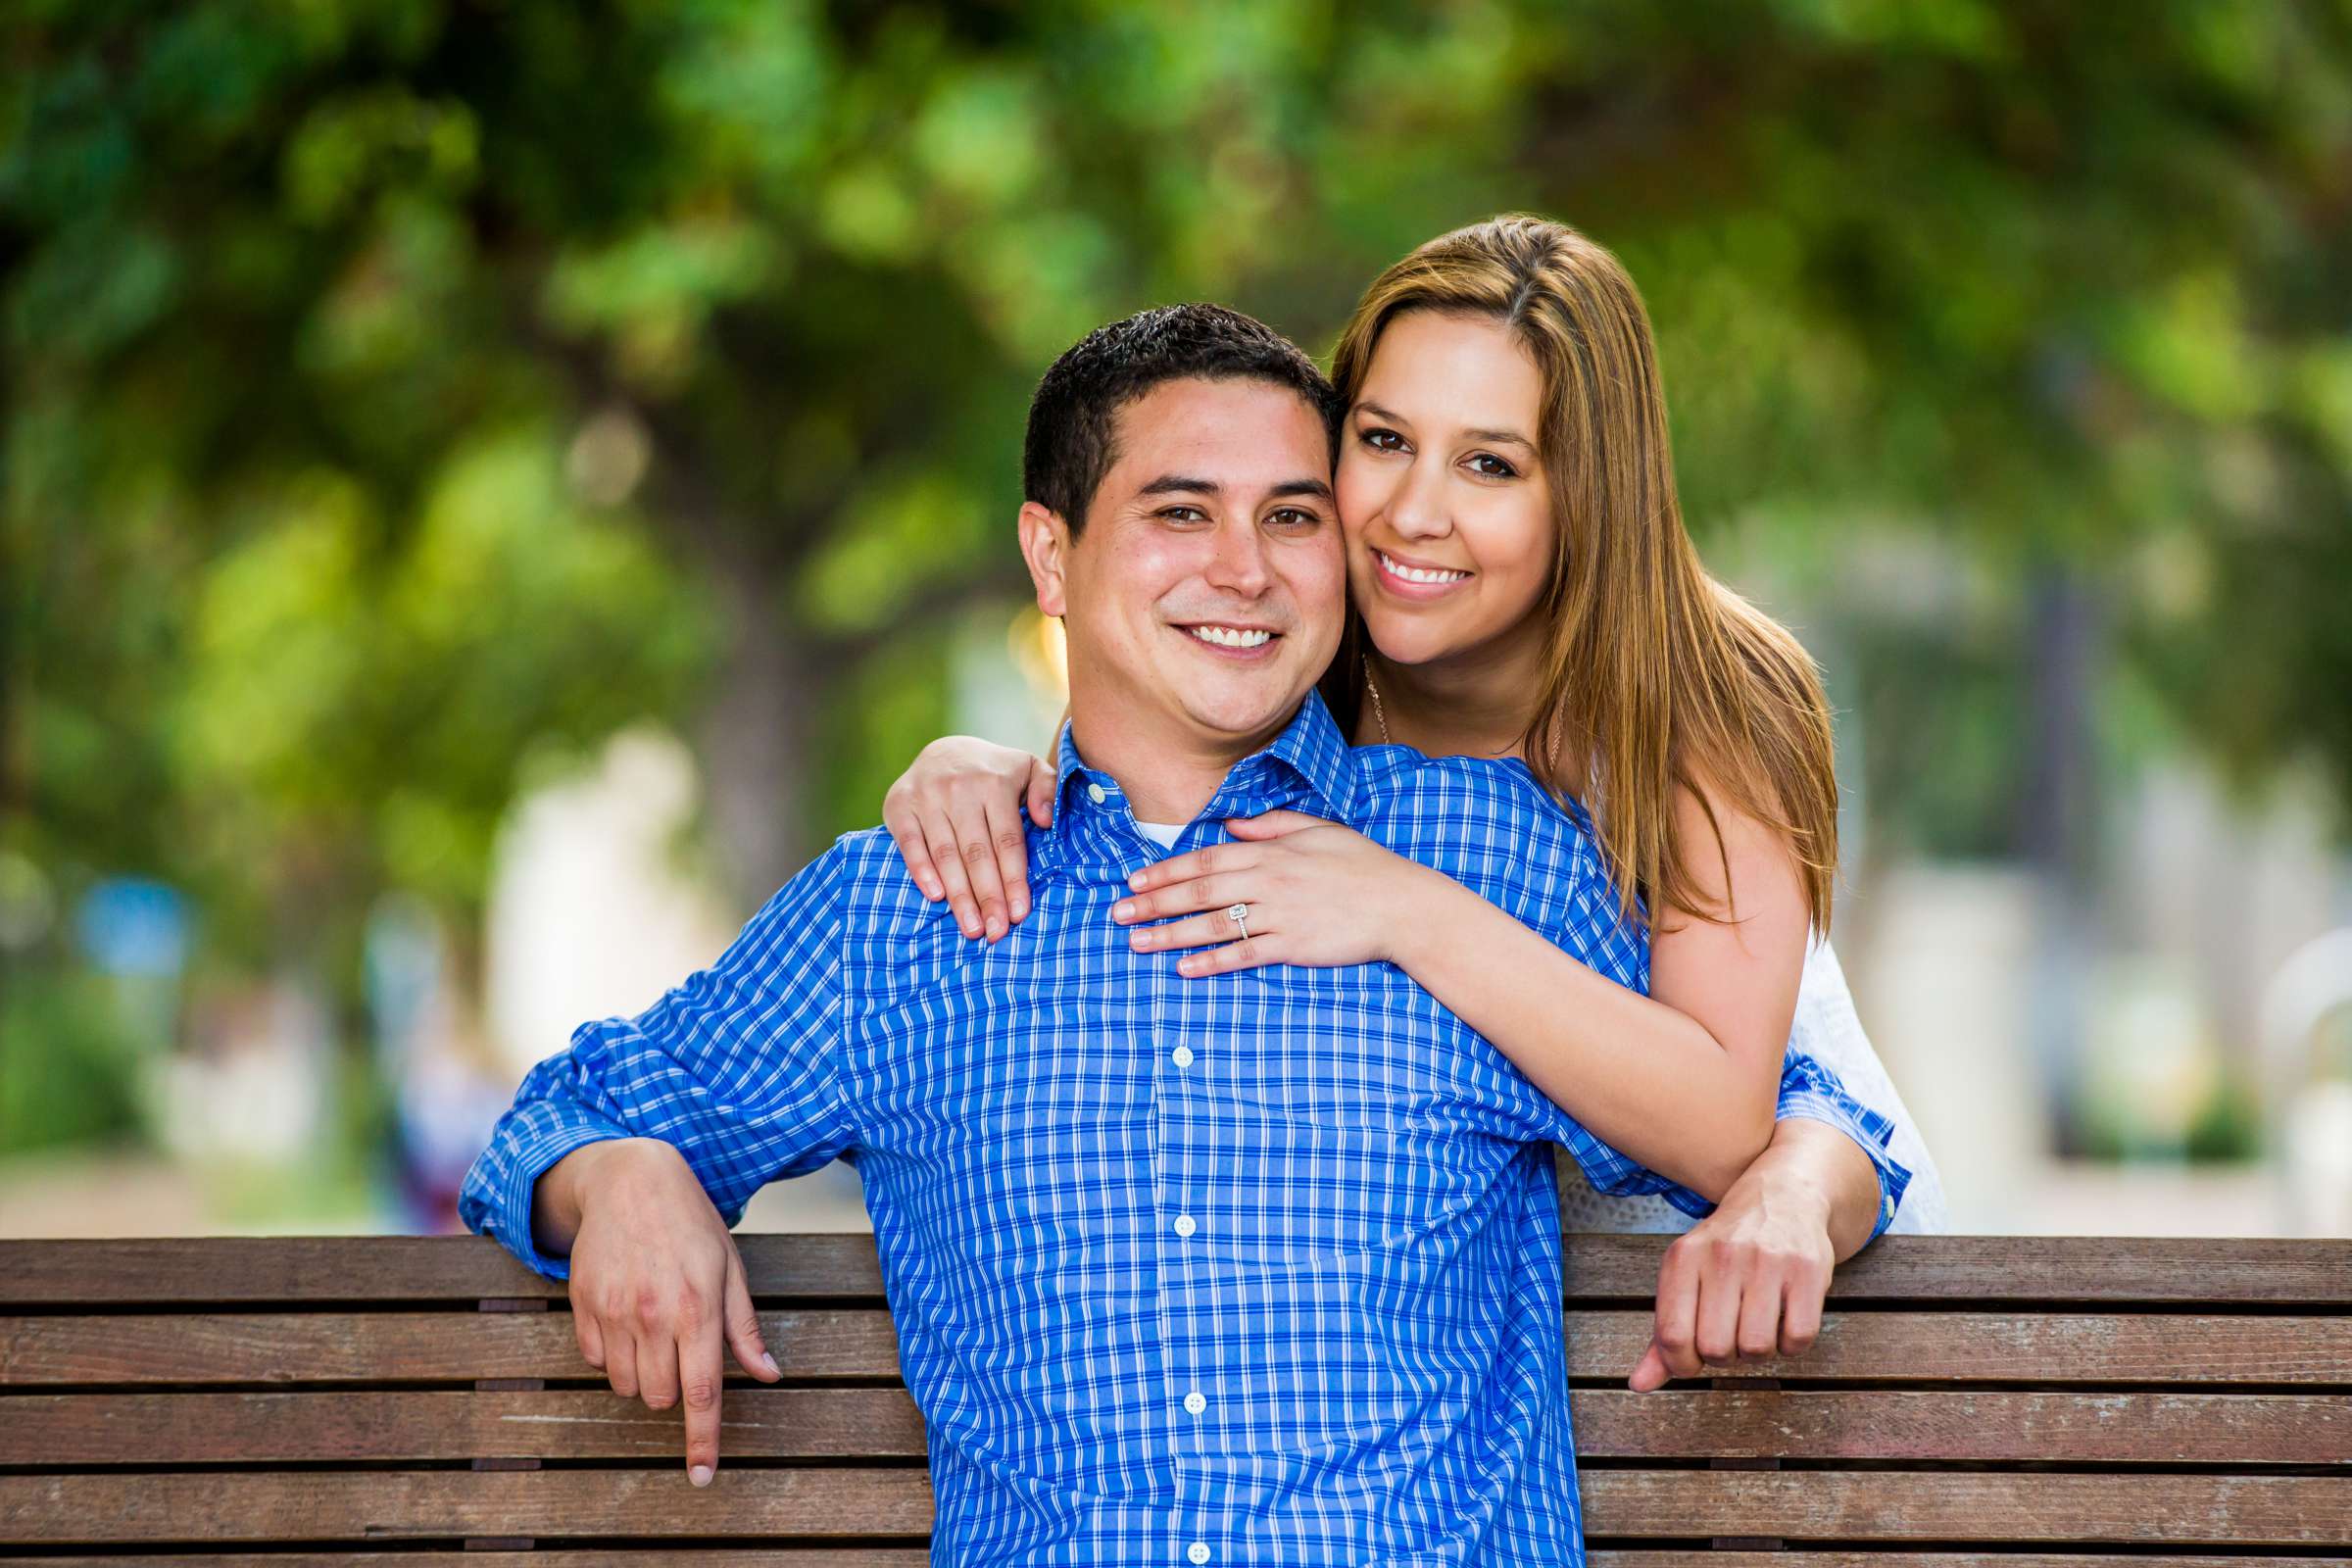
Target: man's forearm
{"points": [[1815, 1161]]}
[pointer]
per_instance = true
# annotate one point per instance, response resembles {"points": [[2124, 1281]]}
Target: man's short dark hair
{"points": [[1073, 418]]}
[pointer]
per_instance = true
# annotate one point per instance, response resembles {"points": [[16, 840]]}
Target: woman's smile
{"points": [[1409, 579]]}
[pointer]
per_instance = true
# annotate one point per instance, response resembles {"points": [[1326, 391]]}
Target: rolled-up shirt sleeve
{"points": [[1809, 1089], [738, 1069], [1812, 1091]]}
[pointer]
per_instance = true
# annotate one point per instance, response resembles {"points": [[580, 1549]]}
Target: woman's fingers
{"points": [[1012, 861], [1040, 792], [1218, 890], [905, 826], [1759, 1330], [1800, 1315], [1675, 1328], [1720, 1290], [1272, 825], [1250, 954], [979, 841], [1199, 931], [951, 873], [1189, 866]]}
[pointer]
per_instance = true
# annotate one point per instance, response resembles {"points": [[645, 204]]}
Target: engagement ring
{"points": [[1239, 914]]}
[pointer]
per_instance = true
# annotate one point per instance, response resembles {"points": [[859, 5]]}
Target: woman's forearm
{"points": [[1650, 1080]]}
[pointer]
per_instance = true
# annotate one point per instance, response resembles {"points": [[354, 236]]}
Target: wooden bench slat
{"points": [[2187, 1270], [769, 1423], [825, 1557], [2237, 1429], [2200, 1510], [2076, 1270], [376, 1425], [1909, 1560], [384, 1346], [224, 1507], [1994, 1346], [918, 1557], [102, 1349], [163, 1271]]}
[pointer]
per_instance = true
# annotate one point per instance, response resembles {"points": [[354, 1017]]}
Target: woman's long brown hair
{"points": [[1656, 675]]}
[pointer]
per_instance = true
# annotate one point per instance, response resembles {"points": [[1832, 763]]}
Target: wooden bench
{"points": [[2034, 1403]]}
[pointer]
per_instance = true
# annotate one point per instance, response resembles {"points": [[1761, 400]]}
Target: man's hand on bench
{"points": [[658, 1289], [1747, 1284]]}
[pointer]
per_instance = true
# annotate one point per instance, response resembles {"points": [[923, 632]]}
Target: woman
{"points": [[1522, 587]]}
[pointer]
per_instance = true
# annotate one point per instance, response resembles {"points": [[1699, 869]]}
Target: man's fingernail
{"points": [[700, 1475], [770, 1361], [996, 928], [1120, 911]]}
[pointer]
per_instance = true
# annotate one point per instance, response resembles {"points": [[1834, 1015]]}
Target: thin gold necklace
{"points": [[1380, 715]]}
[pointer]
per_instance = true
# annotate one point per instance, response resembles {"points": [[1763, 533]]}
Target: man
{"points": [[1258, 1271]]}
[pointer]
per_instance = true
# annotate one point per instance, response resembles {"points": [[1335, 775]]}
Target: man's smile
{"points": [[1248, 643]]}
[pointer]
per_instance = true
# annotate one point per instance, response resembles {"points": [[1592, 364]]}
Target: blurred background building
{"points": [[489, 490]]}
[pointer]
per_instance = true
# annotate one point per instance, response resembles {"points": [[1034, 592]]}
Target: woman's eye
{"points": [[1500, 469], [1381, 440]]}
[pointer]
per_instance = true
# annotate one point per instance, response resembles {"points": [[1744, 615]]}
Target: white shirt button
{"points": [[1094, 793], [1198, 1551], [1890, 1208], [1196, 1401], [1184, 1225], [1182, 1056]]}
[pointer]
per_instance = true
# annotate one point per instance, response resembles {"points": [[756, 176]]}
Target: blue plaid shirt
{"points": [[1257, 1268]]}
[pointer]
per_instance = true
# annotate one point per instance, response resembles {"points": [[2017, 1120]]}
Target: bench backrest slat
{"points": [[2041, 1269]]}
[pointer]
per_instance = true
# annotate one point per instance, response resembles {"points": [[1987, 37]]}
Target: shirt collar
{"points": [[1310, 754]]}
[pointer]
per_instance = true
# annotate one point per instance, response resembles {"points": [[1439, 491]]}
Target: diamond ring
{"points": [[1239, 914]]}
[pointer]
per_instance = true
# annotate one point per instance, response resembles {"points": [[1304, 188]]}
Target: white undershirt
{"points": [[1163, 834]]}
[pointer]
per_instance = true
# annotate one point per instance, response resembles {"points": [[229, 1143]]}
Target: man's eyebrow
{"points": [[1173, 483], [1181, 484], [1510, 437]]}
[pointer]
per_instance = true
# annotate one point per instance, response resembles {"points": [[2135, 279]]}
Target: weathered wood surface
{"points": [[916, 1557], [759, 1422], [313, 1347], [250, 1506], [1909, 1560], [1920, 1268], [756, 1422], [2111, 1429], [764, 1503], [1940, 1506], [2166, 1347], [1963, 1355]]}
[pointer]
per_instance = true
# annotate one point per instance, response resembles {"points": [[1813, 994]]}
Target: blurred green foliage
{"points": [[398, 389], [68, 1062]]}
